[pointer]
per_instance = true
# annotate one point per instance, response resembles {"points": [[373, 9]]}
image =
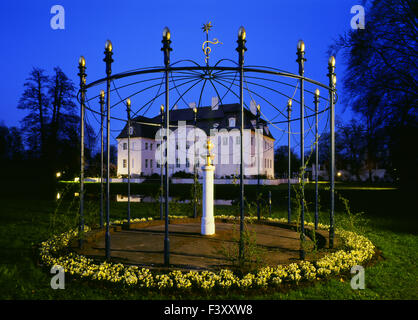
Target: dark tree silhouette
{"points": [[281, 162], [52, 127], [381, 82], [35, 99]]}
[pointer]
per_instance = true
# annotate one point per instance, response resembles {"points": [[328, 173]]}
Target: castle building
{"points": [[187, 142]]}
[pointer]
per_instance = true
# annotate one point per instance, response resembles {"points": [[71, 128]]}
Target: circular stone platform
{"points": [[143, 245]]}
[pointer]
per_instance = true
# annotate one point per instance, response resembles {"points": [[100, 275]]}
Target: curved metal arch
{"points": [[205, 68]]}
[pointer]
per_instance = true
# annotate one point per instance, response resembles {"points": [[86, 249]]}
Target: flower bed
{"points": [[359, 250]]}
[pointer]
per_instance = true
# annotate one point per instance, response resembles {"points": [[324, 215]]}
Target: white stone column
{"points": [[208, 219]]}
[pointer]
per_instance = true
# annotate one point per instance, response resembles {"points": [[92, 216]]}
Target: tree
{"points": [[35, 99], [281, 163], [11, 144], [381, 82], [353, 147], [52, 127], [61, 91]]}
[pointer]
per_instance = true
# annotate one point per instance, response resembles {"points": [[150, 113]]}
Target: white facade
{"points": [[145, 153]]}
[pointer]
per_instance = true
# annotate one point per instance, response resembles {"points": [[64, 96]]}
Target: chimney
{"points": [[253, 107], [215, 103], [192, 105]]}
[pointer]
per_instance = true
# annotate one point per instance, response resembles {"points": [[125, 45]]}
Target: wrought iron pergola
{"points": [[225, 76]]}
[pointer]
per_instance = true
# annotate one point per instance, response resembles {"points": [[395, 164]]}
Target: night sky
{"points": [[135, 29]]}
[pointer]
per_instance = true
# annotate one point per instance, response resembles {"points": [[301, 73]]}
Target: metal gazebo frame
{"points": [[206, 71]]}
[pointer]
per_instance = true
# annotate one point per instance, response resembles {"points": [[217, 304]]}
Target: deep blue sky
{"points": [[135, 27]]}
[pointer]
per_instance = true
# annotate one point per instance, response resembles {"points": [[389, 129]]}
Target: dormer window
{"points": [[131, 131], [231, 122], [215, 125]]}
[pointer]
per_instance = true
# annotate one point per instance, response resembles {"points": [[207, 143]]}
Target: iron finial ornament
{"points": [[301, 46], [209, 155], [166, 46], [108, 56], [301, 57], [331, 61], [82, 61], [289, 104], [82, 74], [242, 34], [207, 26], [128, 105], [108, 46], [166, 33], [205, 45]]}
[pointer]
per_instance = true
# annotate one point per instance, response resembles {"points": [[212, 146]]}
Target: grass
{"points": [[26, 220]]}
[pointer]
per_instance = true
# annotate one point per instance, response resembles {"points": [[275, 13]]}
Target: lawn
{"points": [[29, 218]]}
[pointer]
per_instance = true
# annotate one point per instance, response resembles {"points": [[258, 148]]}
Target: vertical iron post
{"points": [[241, 50], [289, 202], [301, 61], [161, 166], [195, 167], [316, 101], [102, 101], [108, 60], [166, 49], [82, 75], [128, 110], [258, 164], [332, 83]]}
